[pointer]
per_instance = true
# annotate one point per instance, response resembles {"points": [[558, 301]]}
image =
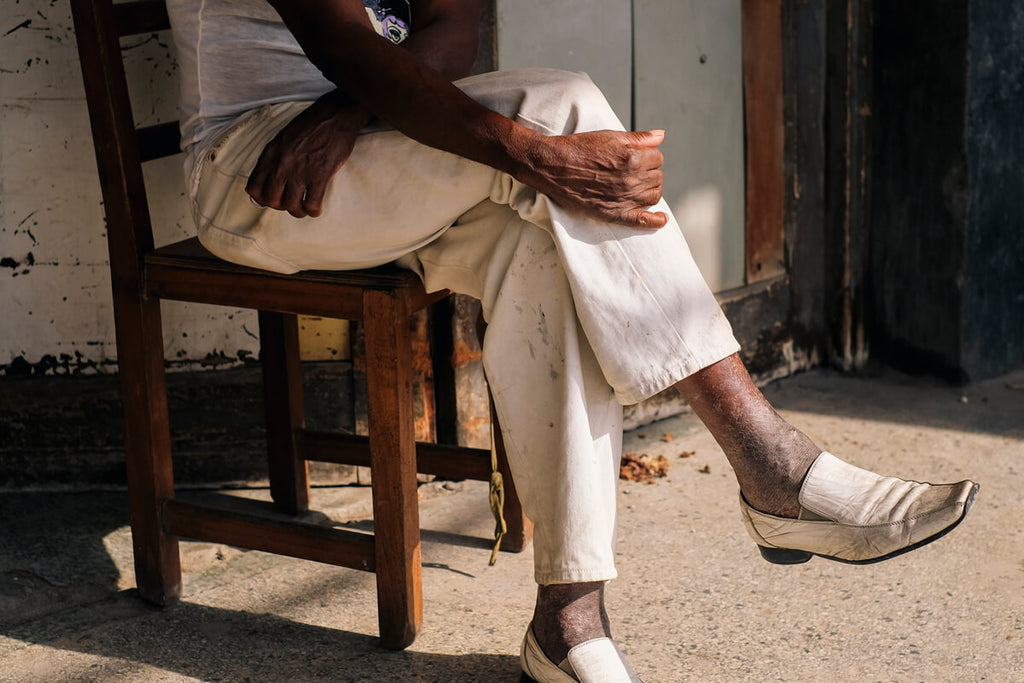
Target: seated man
{"points": [[322, 134]]}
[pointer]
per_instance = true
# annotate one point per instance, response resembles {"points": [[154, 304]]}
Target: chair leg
{"points": [[283, 403], [519, 528], [393, 464], [140, 360]]}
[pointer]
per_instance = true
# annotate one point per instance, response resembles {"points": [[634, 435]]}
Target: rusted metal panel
{"points": [[474, 423], [763, 98]]}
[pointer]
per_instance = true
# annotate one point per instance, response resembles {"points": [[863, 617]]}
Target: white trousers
{"points": [[582, 316]]}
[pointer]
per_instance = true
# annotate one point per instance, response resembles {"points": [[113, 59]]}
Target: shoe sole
{"points": [[790, 556]]}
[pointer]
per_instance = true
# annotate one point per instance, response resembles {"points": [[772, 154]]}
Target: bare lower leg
{"points": [[769, 455], [568, 614], [770, 458]]}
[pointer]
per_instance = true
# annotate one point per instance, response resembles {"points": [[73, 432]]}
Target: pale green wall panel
{"points": [[689, 81], [579, 35]]}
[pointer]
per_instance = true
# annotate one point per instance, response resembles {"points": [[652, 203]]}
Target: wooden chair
{"points": [[382, 299]]}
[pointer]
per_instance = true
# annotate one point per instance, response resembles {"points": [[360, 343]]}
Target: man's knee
{"points": [[573, 85], [558, 102], [567, 102]]}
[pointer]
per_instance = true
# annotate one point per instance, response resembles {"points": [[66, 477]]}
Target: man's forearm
{"points": [[350, 113], [396, 86], [607, 175], [446, 36], [444, 41]]}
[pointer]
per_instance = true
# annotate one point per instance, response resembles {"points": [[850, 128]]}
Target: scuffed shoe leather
{"points": [[593, 661], [853, 515]]}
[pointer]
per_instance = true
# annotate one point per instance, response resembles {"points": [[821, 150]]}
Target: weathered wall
{"points": [[59, 414], [919, 187], [55, 301], [689, 80], [993, 318], [947, 192], [55, 294], [678, 68], [578, 35]]}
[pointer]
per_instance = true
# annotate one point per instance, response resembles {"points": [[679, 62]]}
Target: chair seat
{"points": [[186, 271]]}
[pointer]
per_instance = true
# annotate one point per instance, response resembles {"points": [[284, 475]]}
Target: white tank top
{"points": [[237, 55]]}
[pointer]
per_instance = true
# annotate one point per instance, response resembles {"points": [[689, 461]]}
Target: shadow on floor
{"points": [[60, 587], [54, 555], [211, 644], [991, 407]]}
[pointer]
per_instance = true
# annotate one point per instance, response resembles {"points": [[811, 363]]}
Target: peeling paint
{"points": [[62, 364], [78, 363], [25, 24], [464, 354], [58, 321]]}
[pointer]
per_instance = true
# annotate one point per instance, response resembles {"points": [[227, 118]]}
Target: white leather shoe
{"points": [[856, 516], [593, 661]]}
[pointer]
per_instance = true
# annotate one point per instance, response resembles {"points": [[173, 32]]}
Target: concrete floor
{"points": [[694, 601]]}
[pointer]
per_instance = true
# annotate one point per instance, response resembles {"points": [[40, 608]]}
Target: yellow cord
{"points": [[496, 497]]}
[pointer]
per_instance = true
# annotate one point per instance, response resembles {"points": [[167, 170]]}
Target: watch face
{"points": [[390, 18]]}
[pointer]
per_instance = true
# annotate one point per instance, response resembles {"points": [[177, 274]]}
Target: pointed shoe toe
{"points": [[852, 515], [593, 661]]}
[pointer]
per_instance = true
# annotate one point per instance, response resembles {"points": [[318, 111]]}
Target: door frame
{"points": [[806, 72]]}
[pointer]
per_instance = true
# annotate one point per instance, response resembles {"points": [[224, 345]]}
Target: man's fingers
{"points": [[264, 197], [641, 218], [254, 188], [645, 157], [647, 138], [291, 199], [654, 219], [299, 200], [651, 196], [264, 190], [313, 202]]}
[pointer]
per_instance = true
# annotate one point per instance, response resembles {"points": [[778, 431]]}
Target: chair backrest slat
{"points": [[158, 141], [129, 231], [142, 16]]}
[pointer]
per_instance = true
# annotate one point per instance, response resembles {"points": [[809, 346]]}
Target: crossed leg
{"points": [[584, 317], [768, 455]]}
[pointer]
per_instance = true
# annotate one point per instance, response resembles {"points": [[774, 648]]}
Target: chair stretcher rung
{"points": [[454, 462], [296, 539]]}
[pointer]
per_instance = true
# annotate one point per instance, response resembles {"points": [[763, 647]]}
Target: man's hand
{"points": [[608, 175], [295, 167]]}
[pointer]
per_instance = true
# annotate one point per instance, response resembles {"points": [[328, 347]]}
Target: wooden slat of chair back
{"points": [[134, 18], [99, 25], [140, 16], [158, 141]]}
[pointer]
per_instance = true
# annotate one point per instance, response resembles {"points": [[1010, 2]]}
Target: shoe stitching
{"points": [[828, 520], [852, 526]]}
